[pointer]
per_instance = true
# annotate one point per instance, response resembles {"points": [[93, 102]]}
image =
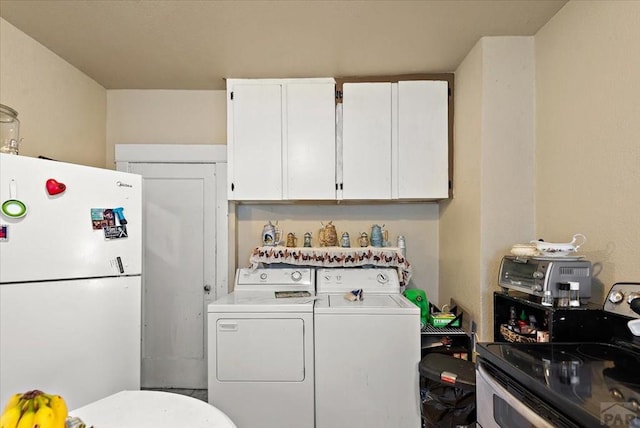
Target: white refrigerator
{"points": [[70, 287]]}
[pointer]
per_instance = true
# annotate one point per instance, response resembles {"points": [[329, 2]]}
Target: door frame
{"points": [[126, 154]]}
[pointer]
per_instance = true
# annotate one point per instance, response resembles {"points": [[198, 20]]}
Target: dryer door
{"points": [[260, 349]]}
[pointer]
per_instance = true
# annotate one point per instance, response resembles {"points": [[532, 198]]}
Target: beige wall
{"points": [[61, 111], [586, 159], [164, 117], [493, 204], [460, 216], [588, 127]]}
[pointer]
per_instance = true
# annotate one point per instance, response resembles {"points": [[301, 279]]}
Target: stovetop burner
{"points": [[620, 356]]}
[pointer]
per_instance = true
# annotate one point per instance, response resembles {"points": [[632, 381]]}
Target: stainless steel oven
{"points": [[566, 384], [500, 404]]}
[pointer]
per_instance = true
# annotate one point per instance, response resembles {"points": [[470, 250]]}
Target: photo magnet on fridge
{"points": [[115, 232], [102, 218], [119, 231], [105, 219]]}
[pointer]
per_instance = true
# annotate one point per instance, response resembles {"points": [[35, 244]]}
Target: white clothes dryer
{"points": [[367, 351], [260, 349]]}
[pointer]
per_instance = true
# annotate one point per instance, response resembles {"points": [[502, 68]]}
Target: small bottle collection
{"points": [[528, 326]]}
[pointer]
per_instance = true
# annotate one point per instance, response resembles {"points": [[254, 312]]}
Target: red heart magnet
{"points": [[54, 188]]}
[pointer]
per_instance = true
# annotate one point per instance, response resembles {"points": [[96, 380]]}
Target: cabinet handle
{"points": [[232, 186]]}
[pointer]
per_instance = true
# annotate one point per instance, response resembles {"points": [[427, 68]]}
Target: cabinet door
{"points": [[366, 141], [309, 144], [254, 149], [423, 143]]}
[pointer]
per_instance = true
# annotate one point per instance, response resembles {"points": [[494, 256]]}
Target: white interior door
{"points": [[179, 275]]}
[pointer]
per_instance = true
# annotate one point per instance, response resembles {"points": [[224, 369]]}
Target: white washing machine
{"points": [[367, 351], [260, 349]]}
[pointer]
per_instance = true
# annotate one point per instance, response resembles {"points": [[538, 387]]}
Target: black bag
{"points": [[446, 404]]}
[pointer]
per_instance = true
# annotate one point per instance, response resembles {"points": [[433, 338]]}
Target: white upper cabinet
{"points": [[254, 141], [423, 140], [281, 139], [395, 143], [366, 141], [392, 140], [310, 143]]}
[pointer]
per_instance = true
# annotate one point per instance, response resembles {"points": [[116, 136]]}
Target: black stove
{"points": [[574, 384]]}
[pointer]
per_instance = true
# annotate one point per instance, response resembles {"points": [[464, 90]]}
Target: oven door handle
{"points": [[528, 414]]}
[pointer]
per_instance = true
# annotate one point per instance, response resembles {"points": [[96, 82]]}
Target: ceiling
{"points": [[184, 44]]}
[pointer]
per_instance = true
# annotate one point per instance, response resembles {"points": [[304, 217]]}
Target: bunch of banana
{"points": [[34, 409]]}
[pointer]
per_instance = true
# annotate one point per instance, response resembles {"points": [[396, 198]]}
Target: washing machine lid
{"points": [[371, 304], [263, 301]]}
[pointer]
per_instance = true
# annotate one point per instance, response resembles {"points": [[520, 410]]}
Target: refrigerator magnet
{"points": [[54, 187], [102, 218], [115, 232], [96, 218], [4, 232], [13, 207]]}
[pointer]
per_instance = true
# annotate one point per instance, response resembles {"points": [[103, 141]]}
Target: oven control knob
{"points": [[263, 276], [538, 275], [633, 296], [616, 296], [634, 302], [296, 275], [537, 287], [615, 393]]}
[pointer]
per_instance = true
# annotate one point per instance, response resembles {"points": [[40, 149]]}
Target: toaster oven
{"points": [[535, 275]]}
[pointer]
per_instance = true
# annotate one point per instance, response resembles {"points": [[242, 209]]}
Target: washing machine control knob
{"points": [[296, 275], [382, 278]]}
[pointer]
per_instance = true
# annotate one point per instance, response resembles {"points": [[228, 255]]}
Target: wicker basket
{"points": [[512, 336]]}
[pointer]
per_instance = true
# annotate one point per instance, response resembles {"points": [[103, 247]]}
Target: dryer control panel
{"points": [[263, 279]]}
